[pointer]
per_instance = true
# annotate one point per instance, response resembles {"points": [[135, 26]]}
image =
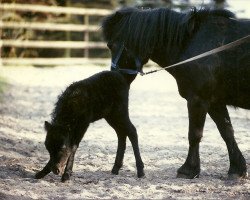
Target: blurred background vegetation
{"points": [[30, 34]]}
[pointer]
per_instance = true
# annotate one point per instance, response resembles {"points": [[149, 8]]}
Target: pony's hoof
{"points": [[187, 176], [237, 176], [188, 172]]}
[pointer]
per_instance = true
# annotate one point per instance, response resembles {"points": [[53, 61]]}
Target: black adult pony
{"points": [[134, 36]]}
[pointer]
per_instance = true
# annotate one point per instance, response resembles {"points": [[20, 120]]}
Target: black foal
{"points": [[103, 95]]}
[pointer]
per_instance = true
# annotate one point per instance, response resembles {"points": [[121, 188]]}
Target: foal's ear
{"points": [[47, 126]]}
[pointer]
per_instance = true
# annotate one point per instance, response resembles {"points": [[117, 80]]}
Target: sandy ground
{"points": [[160, 116]]}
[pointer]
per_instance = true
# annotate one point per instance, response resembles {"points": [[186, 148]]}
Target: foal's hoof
{"points": [[140, 174], [39, 175], [115, 170], [65, 177], [237, 176]]}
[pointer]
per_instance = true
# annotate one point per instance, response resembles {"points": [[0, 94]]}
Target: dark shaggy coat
{"points": [[103, 95], [208, 84]]}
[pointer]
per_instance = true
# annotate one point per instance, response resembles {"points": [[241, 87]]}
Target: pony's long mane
{"points": [[143, 30]]}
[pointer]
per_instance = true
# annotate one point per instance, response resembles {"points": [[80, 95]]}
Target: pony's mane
{"points": [[143, 30]]}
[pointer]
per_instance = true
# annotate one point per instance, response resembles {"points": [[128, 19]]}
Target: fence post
{"points": [[86, 35], [1, 41], [67, 52]]}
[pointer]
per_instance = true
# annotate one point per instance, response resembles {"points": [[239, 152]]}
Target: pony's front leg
{"points": [[197, 110]]}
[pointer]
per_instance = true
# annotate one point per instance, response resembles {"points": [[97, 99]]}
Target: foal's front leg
{"points": [[74, 145], [69, 166], [46, 170], [197, 110]]}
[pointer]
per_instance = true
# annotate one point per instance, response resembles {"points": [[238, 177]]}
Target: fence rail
{"points": [[49, 26], [54, 61], [87, 28], [53, 44], [55, 10]]}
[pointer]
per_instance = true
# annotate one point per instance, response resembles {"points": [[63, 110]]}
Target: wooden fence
{"points": [[86, 44]]}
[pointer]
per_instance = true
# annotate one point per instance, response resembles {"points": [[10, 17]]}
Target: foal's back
{"points": [[93, 98]]}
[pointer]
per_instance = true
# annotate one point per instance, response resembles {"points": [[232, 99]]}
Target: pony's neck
{"points": [[173, 34], [164, 56], [146, 31]]}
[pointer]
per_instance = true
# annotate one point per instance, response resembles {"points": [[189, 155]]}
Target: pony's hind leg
{"points": [[219, 114]]}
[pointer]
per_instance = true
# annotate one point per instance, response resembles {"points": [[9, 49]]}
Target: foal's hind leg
{"points": [[112, 121], [219, 114], [124, 127], [119, 154], [133, 137]]}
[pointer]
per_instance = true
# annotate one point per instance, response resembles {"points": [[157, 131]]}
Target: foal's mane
{"points": [[144, 30]]}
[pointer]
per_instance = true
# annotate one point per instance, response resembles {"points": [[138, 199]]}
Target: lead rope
{"points": [[213, 51]]}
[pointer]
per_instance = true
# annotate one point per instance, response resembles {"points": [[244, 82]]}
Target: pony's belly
{"points": [[242, 101]]}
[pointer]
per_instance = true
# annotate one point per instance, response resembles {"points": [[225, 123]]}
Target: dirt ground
{"points": [[160, 116]]}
